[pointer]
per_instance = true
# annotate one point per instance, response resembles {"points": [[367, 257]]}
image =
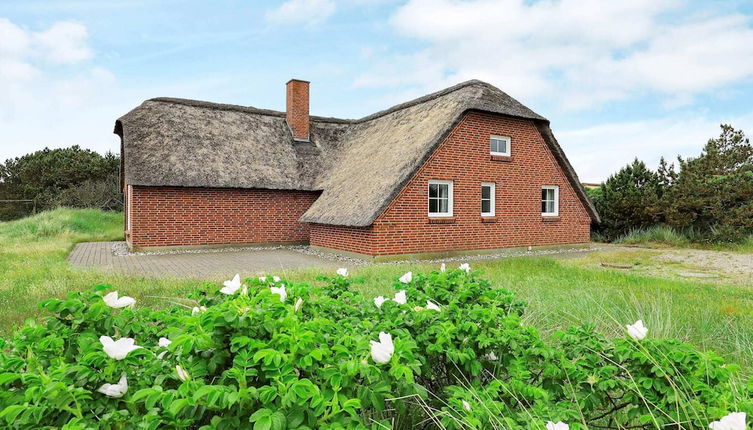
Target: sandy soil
{"points": [[690, 264]]}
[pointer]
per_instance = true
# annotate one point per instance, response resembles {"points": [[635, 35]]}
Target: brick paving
{"points": [[207, 265]]}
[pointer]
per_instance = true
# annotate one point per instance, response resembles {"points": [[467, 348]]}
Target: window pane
{"points": [[443, 191], [486, 192], [486, 206], [545, 194], [494, 145], [433, 206], [550, 206], [443, 206], [433, 190], [543, 206], [502, 146]]}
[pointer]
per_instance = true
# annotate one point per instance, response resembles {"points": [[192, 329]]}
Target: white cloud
{"points": [[599, 151], [308, 12], [584, 52], [64, 43], [13, 39], [51, 95]]}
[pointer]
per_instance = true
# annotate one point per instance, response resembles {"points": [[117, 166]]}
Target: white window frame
{"points": [[507, 139], [450, 202], [556, 200], [492, 198]]}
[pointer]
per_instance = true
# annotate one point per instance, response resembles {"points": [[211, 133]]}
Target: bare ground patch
{"points": [[705, 266]]}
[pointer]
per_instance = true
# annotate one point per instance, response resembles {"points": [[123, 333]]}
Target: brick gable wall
{"points": [[464, 158], [175, 216]]}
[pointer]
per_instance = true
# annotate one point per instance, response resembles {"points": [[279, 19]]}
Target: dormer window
{"points": [[500, 145]]}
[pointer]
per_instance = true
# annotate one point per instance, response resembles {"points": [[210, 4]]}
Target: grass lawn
{"points": [[33, 264], [559, 292]]}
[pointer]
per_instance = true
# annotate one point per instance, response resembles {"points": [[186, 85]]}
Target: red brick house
{"points": [[465, 168]]}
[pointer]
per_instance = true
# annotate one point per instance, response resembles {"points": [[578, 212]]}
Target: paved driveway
{"points": [[205, 265]]}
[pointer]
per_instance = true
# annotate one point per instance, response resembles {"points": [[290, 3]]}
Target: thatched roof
{"points": [[176, 142]]}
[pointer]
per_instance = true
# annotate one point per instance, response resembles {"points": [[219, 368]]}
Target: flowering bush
{"points": [[448, 350]]}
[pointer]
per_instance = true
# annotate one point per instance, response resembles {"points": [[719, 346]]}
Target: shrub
{"points": [[276, 356], [629, 199], [51, 178]]}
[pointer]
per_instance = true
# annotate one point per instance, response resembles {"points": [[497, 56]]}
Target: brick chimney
{"points": [[297, 110]]}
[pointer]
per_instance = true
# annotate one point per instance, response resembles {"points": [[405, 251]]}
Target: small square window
{"points": [[550, 196], [440, 198], [487, 199], [500, 145]]}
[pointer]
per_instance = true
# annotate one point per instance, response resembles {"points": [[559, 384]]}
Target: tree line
{"points": [[50, 178], [710, 197]]}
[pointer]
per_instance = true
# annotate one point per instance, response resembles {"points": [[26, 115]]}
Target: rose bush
{"points": [[451, 352]]}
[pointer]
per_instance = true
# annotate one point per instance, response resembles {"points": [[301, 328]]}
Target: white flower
{"points": [[465, 267], [400, 298], [196, 310], [276, 278], [432, 306], [298, 304], [491, 356], [262, 279], [378, 301], [182, 374], [381, 352], [558, 426], [343, 272], [466, 406], [637, 331], [231, 286], [442, 268], [161, 355], [164, 342], [406, 278], [115, 390], [113, 301], [733, 421], [118, 349], [281, 291]]}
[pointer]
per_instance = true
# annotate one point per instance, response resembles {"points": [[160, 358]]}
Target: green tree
{"points": [[59, 177], [629, 199], [713, 193]]}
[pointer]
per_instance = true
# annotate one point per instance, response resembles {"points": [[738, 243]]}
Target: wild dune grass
{"points": [[33, 264], [665, 236]]}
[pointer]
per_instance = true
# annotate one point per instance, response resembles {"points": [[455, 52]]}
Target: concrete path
{"points": [[206, 265]]}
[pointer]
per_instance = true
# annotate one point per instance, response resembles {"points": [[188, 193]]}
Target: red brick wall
{"points": [[353, 239], [165, 216], [297, 108], [464, 158]]}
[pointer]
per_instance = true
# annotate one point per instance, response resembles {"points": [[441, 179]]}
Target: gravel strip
{"points": [[120, 249]]}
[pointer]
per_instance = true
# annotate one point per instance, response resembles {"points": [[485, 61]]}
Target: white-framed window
{"points": [[550, 200], [440, 198], [500, 145], [488, 199]]}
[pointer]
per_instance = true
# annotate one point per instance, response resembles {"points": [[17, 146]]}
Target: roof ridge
{"points": [[270, 112], [238, 108], [422, 99]]}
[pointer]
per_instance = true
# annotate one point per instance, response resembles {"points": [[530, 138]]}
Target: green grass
{"points": [[665, 236], [33, 264]]}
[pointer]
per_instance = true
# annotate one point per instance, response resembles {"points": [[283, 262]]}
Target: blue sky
{"points": [[617, 79]]}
